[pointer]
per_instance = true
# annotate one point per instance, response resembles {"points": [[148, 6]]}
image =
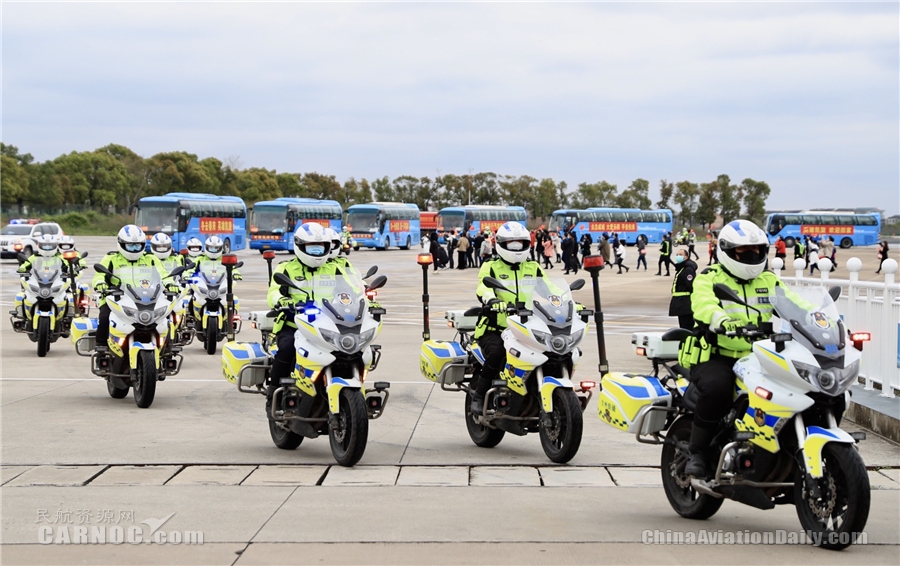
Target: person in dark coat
{"points": [[569, 249], [434, 248], [682, 286]]}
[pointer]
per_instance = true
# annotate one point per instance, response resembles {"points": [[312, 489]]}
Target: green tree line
{"points": [[116, 177]]}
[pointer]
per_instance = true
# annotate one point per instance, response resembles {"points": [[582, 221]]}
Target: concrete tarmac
{"points": [[422, 494]]}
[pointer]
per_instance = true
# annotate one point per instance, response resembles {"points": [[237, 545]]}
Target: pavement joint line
{"points": [[266, 522], [248, 475], [611, 478], [180, 469], [413, 431], [38, 394], [324, 475], [28, 468]]}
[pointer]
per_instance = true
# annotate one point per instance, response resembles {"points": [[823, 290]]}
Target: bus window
{"points": [[866, 221], [845, 220], [218, 210], [617, 216], [829, 219], [793, 220], [810, 219], [633, 216]]}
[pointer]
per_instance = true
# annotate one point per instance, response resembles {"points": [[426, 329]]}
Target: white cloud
{"points": [[801, 95]]}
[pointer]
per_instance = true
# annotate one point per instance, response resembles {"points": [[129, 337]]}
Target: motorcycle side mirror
{"points": [[100, 268], [176, 272], [835, 293], [284, 280], [372, 271], [576, 285], [84, 255], [725, 293], [22, 258], [377, 283], [188, 264], [494, 284]]}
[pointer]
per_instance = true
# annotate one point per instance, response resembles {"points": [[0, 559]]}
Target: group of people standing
{"points": [[458, 245]]}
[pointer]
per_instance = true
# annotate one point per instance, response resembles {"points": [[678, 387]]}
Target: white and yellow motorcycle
{"points": [[45, 307], [327, 391], [781, 442]]}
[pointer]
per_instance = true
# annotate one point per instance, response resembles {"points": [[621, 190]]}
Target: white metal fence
{"points": [[867, 306]]}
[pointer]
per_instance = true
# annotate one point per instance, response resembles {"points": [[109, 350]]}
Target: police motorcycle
{"points": [[45, 308], [208, 286], [781, 442], [535, 392], [139, 356], [327, 392]]}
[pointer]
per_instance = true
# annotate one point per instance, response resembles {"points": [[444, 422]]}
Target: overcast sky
{"points": [[803, 96]]}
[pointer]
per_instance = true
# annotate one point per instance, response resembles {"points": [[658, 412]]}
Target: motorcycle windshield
{"points": [[811, 316], [46, 269], [552, 301], [142, 283], [340, 298], [213, 272]]}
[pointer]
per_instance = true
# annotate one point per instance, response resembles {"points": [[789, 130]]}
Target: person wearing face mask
{"points": [[743, 249], [682, 286]]}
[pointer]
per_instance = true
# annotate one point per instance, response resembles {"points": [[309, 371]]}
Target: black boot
{"points": [[701, 438], [477, 406]]}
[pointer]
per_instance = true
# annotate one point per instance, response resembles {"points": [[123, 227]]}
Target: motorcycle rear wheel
{"points": [[483, 436], [115, 392], [145, 386], [842, 511], [43, 336], [348, 441], [683, 498], [561, 442]]}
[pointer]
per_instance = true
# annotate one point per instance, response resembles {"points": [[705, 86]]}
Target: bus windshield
{"points": [[363, 220], [157, 217], [269, 219], [561, 220], [451, 220]]}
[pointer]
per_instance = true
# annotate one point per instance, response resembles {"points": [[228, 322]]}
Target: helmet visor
{"points": [[162, 248], [213, 249], [515, 245], [315, 250], [48, 246], [66, 247], [133, 247], [749, 255]]}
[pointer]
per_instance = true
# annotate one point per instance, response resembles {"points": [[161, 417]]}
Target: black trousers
{"points": [[663, 260], [286, 356], [686, 321], [715, 381], [494, 360], [691, 251], [102, 334], [461, 261]]}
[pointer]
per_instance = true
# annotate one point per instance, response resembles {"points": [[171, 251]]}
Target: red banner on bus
{"points": [[492, 225], [323, 223], [399, 225], [820, 229], [216, 225], [613, 227]]}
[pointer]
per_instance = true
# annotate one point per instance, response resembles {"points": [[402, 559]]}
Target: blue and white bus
{"points": [[272, 222], [384, 224], [194, 215], [473, 219], [847, 229], [628, 223]]}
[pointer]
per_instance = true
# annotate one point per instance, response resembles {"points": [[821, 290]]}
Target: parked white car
{"points": [[25, 232]]}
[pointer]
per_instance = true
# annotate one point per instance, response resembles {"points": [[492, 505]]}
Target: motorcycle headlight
{"points": [[144, 317], [45, 292], [129, 311], [160, 312], [213, 294], [560, 343], [832, 381], [347, 343], [367, 337]]}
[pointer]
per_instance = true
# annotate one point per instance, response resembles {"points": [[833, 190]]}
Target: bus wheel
{"points": [[226, 249], [408, 242], [789, 242], [846, 243]]}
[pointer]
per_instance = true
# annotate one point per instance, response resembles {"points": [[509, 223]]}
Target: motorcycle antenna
{"points": [[594, 263], [230, 261], [269, 255], [425, 260]]}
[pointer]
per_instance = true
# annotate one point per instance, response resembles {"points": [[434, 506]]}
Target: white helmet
{"points": [[161, 245], [214, 246], [513, 242], [47, 245], [132, 242], [743, 249], [194, 247], [335, 238], [312, 245], [66, 243]]}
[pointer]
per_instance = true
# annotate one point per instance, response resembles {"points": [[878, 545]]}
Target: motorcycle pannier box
{"points": [[83, 330], [459, 321], [654, 346], [237, 355], [625, 397], [439, 356]]}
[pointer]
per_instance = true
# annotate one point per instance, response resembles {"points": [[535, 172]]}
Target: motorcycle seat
{"points": [[676, 335]]}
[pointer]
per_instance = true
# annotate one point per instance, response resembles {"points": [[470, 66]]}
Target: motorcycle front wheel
{"points": [[562, 437], [481, 435], [677, 485], [349, 436], [145, 385], [212, 330], [43, 336], [839, 514]]}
